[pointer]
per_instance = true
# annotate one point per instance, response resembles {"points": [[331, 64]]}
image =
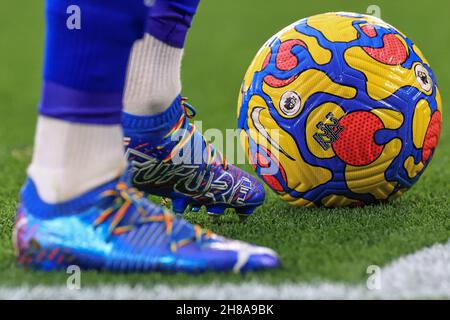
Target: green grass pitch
{"points": [[314, 244]]}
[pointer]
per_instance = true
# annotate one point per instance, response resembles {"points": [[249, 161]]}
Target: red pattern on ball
{"points": [[264, 161], [278, 83], [272, 182], [266, 60], [432, 136], [392, 53], [356, 143], [369, 30], [285, 61]]}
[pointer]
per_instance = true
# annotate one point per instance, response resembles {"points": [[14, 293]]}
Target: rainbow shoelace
{"points": [[189, 112], [124, 199]]}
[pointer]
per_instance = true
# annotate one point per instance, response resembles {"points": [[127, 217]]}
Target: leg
{"points": [[154, 79], [157, 127], [74, 208], [78, 140]]}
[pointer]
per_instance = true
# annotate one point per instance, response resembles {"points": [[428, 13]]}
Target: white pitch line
{"points": [[424, 274]]}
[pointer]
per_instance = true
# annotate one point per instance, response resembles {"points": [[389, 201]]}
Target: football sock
{"points": [[78, 143], [154, 79], [72, 158], [152, 128]]}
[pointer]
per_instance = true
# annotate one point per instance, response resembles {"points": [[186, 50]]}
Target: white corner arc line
{"points": [[424, 274]]}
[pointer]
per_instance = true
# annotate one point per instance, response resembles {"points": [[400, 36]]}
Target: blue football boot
{"points": [[115, 228], [170, 158]]}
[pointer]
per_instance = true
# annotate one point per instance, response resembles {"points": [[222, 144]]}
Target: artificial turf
{"points": [[314, 244]]}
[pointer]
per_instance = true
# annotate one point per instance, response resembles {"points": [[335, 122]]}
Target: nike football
{"points": [[339, 109]]}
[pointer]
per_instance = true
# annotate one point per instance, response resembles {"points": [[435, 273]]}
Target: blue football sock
{"points": [[152, 127], [170, 20]]}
